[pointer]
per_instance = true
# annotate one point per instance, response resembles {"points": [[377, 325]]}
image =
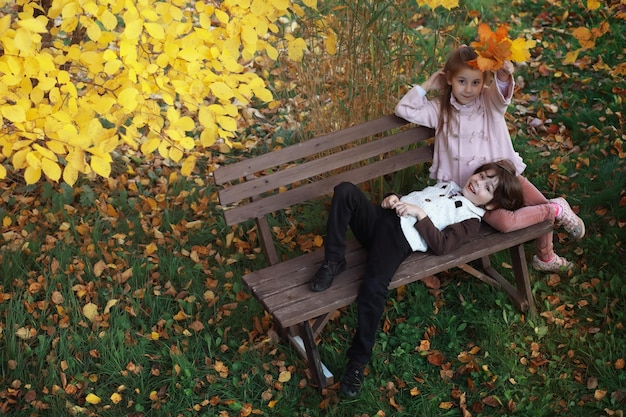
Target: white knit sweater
{"points": [[444, 204]]}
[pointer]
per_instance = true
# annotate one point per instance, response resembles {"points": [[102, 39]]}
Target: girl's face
{"points": [[466, 84], [481, 187]]}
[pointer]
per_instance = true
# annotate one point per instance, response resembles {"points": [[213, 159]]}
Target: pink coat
{"points": [[479, 133]]}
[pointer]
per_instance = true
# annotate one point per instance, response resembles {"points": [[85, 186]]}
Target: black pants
{"points": [[379, 231]]}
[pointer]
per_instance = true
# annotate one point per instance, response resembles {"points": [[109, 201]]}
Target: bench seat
{"points": [[284, 290]]}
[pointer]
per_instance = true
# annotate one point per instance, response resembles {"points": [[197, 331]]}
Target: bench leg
{"points": [[313, 356], [521, 293], [522, 278]]}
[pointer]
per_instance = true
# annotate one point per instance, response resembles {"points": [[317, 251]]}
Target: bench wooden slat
{"points": [[325, 186], [320, 166], [310, 147]]}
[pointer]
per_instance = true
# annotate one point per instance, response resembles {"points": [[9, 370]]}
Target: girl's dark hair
{"points": [[508, 193], [455, 63]]}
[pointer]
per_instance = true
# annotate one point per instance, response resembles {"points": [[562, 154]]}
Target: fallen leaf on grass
{"points": [[284, 376], [599, 394], [432, 282], [492, 401], [92, 399], [435, 358], [90, 310]]}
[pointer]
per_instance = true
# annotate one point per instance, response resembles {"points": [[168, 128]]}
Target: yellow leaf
{"points": [[101, 166], [37, 24], [128, 99], [32, 175], [70, 175], [310, 3], [185, 123], [175, 154], [110, 304], [90, 310], [51, 169], [14, 114], [205, 117], [272, 52], [208, 137], [281, 5], [221, 90], [132, 28], [44, 152], [116, 398], [284, 376], [221, 16], [227, 123], [180, 316], [5, 23], [108, 19], [150, 145], [446, 405], [155, 30], [99, 267], [230, 63], [593, 4], [24, 333], [92, 399], [56, 147], [151, 248], [520, 49], [3, 172], [571, 57], [248, 35], [6, 222], [296, 49], [187, 143], [331, 42], [33, 159], [102, 105], [94, 32]]}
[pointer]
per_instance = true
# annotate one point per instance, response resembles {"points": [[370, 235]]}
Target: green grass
{"points": [[181, 336]]}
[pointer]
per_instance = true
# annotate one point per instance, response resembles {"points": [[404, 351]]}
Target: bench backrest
{"points": [[255, 187]]}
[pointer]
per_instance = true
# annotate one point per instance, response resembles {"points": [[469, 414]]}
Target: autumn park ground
{"points": [[123, 296]]}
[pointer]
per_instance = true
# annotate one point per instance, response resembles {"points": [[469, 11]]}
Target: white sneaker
{"points": [[572, 224], [558, 264]]}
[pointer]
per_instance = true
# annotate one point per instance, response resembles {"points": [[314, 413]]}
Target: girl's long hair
{"points": [[455, 63], [508, 193]]}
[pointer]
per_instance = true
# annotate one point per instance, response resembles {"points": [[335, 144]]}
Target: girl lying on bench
{"points": [[440, 218]]}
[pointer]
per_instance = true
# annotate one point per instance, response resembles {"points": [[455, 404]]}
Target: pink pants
{"points": [[536, 209]]}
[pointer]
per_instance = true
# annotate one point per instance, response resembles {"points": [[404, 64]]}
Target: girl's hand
{"points": [[405, 209], [505, 71], [389, 201], [437, 81]]}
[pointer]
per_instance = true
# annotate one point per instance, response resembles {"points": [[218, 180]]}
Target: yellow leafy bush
{"points": [[80, 79]]}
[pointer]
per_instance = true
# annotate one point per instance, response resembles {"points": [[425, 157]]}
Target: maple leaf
{"points": [[493, 48], [520, 49]]}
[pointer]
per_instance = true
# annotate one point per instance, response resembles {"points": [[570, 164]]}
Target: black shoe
{"points": [[323, 278], [352, 380]]}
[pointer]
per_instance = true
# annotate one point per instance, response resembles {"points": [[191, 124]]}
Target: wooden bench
{"points": [[257, 187]]}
